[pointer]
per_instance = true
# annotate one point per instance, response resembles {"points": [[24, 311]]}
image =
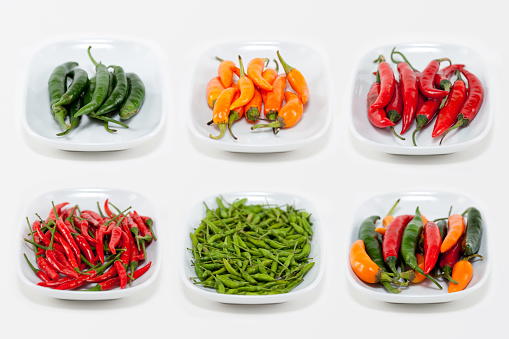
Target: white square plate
{"points": [[311, 279], [87, 198], [419, 55], [432, 205], [317, 112], [142, 58]]}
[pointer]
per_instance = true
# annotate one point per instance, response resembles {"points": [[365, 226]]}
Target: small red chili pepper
{"points": [[69, 253], [78, 282], [448, 259], [58, 208], [116, 235], [90, 219], [428, 77], [150, 223], [55, 283], [387, 83], [86, 249], [122, 274], [449, 114], [472, 103], [84, 232], [66, 233], [99, 237], [392, 240], [115, 282], [53, 261], [107, 209], [39, 273], [376, 116], [425, 115], [46, 268], [432, 243]]}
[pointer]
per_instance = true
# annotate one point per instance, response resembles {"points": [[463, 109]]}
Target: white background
{"points": [[175, 170]]}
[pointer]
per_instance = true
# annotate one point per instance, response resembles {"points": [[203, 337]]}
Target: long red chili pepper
{"points": [[58, 208], [376, 116], [66, 233], [473, 102], [55, 283], [442, 80], [432, 242], [91, 219], [39, 273], [46, 268], [425, 115], [428, 77], [84, 232], [69, 253], [99, 237], [78, 282], [410, 94], [116, 235], [394, 110], [115, 282], [392, 240], [86, 249], [107, 209], [122, 274], [449, 114], [448, 260], [387, 83]]}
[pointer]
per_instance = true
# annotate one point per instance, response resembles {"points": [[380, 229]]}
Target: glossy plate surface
{"points": [[317, 112], [87, 198], [138, 57], [311, 279], [432, 205], [419, 55]]}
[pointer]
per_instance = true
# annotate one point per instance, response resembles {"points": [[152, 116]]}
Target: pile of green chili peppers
{"points": [[252, 249], [105, 93]]}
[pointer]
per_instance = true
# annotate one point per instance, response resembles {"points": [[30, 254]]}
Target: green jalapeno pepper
{"points": [[57, 85], [135, 96], [409, 243], [472, 239]]}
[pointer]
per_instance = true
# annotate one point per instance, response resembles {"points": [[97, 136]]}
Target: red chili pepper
{"points": [[432, 243], [69, 253], [428, 78], [55, 283], [99, 237], [122, 274], [52, 260], [66, 233], [96, 216], [107, 209], [116, 234], [410, 93], [58, 209], [126, 245], [84, 232], [473, 102], [449, 114], [442, 77], [86, 249], [78, 282], [115, 282], [425, 114], [39, 273], [90, 219], [394, 110], [376, 116], [392, 240], [150, 223], [448, 259], [387, 83], [46, 268]]}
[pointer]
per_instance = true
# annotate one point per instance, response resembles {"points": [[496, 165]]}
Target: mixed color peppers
{"points": [[412, 249], [75, 248], [104, 94], [421, 96], [236, 93]]}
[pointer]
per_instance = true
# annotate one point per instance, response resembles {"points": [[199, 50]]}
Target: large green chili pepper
{"points": [[472, 239], [102, 84], [135, 96], [78, 86], [118, 94], [409, 243], [57, 85]]}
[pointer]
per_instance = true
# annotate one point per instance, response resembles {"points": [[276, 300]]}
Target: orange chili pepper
{"points": [[296, 80], [269, 74], [362, 265], [214, 88], [225, 71], [420, 262], [456, 225], [254, 107], [380, 230], [288, 116], [254, 72], [246, 88], [274, 99], [462, 272], [222, 110], [235, 114]]}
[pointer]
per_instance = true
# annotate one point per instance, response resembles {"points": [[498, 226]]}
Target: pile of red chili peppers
{"points": [[408, 249], [422, 96], [259, 87], [77, 248]]}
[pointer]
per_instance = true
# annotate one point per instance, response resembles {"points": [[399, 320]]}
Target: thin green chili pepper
{"points": [[102, 84], [57, 85], [78, 86], [135, 96], [118, 94], [409, 243], [74, 121]]}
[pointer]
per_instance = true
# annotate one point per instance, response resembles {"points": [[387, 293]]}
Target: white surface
{"points": [[174, 170], [317, 111], [86, 199], [419, 55], [311, 279], [144, 59], [432, 205]]}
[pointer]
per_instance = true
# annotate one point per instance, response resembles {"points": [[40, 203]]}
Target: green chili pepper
{"points": [[118, 93], [135, 96], [102, 84], [472, 239], [74, 121], [409, 242], [78, 86], [87, 97], [57, 85]]}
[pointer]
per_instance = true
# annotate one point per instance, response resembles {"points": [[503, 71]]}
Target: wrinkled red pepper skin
{"points": [[432, 243]]}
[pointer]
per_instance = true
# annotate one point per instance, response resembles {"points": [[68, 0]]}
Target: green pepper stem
{"points": [[222, 129], [403, 56], [91, 58], [286, 67]]}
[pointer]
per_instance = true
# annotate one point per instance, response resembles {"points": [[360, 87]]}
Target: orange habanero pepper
{"points": [[456, 225], [254, 72], [214, 88], [222, 110], [288, 116], [246, 88], [296, 80]]}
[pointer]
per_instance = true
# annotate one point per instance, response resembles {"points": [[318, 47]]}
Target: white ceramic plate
{"points": [[432, 205], [311, 279], [317, 112], [87, 198], [419, 55], [142, 58]]}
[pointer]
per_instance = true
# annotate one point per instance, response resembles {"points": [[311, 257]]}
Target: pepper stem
{"points": [[414, 133], [91, 58], [232, 118], [456, 125], [286, 67], [222, 129], [396, 133], [241, 66], [403, 56], [273, 124]]}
